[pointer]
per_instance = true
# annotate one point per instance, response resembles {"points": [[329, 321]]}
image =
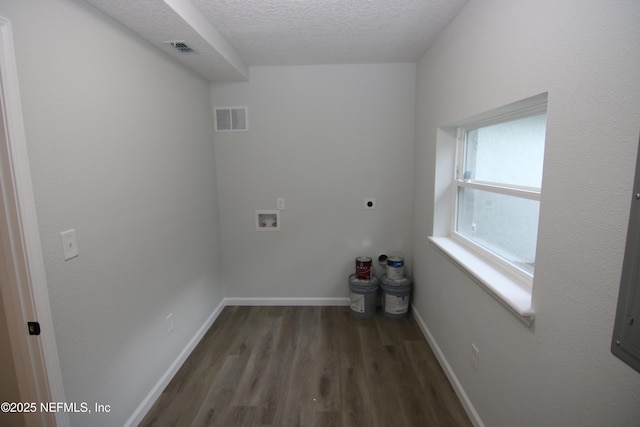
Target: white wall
{"points": [[120, 141], [323, 138], [586, 54]]}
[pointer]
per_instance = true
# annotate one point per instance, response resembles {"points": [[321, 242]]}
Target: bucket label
{"points": [[394, 304], [395, 268], [394, 262], [357, 302], [395, 273]]}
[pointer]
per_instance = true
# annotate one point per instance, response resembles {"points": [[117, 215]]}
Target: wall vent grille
{"points": [[232, 119]]}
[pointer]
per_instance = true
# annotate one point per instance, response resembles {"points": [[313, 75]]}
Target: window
{"points": [[487, 192], [498, 178]]}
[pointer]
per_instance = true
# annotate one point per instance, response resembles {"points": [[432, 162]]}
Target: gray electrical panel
{"points": [[626, 332]]}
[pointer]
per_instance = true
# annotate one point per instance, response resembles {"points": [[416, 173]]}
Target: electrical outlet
{"points": [[280, 201], [475, 357], [169, 323]]}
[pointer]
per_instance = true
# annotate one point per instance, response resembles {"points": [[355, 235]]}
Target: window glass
{"points": [[505, 225], [497, 196], [508, 153]]}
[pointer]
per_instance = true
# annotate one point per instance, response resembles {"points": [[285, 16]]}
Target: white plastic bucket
{"points": [[395, 268], [362, 296], [396, 296]]}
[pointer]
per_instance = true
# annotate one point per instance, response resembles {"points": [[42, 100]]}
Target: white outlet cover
{"points": [[69, 244]]}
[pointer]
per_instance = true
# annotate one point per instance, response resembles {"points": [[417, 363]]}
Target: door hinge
{"points": [[34, 328]]}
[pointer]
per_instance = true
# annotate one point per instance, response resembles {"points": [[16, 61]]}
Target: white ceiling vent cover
{"points": [[232, 119]]}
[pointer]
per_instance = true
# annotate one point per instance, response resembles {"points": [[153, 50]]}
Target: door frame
{"points": [[24, 286]]}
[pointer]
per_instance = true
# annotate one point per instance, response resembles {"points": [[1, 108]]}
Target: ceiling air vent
{"points": [[181, 46], [231, 119]]}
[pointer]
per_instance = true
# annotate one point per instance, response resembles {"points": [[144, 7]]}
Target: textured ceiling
{"points": [[231, 35]]}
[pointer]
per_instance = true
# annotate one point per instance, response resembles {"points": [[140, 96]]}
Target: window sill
{"points": [[508, 290]]}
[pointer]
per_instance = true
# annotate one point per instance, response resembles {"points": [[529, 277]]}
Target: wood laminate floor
{"points": [[309, 366]]}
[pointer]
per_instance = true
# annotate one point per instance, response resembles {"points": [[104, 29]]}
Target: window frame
{"points": [[459, 181]]}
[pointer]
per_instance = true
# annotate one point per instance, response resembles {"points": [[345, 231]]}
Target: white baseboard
{"points": [[166, 378], [457, 387], [288, 301]]}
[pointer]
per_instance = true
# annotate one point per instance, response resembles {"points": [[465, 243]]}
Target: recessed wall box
{"points": [[369, 203], [268, 220], [625, 343]]}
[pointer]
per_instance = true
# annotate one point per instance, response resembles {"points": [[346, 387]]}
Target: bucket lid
{"points": [[354, 281], [405, 281]]}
